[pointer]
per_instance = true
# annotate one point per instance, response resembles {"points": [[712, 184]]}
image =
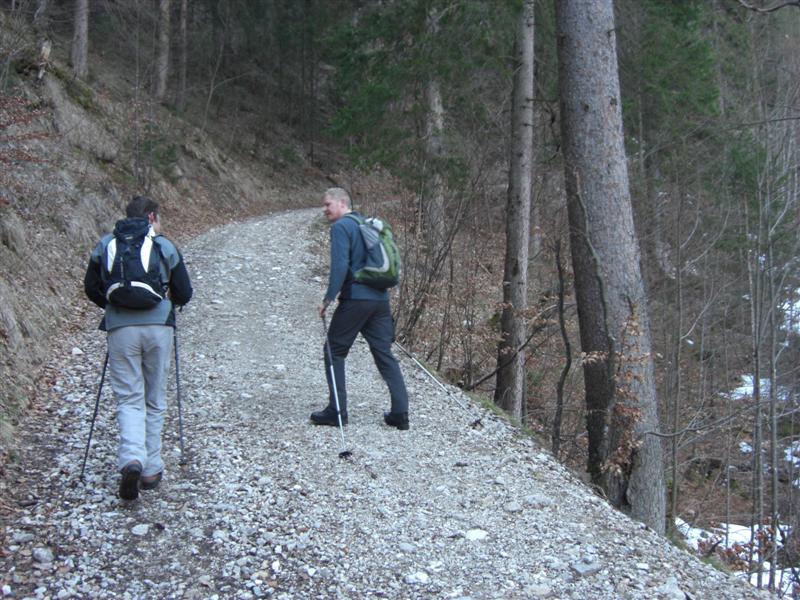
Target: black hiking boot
{"points": [[399, 420], [151, 482], [326, 416], [129, 484]]}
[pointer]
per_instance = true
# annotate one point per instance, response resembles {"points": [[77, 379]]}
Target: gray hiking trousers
{"points": [[138, 365]]}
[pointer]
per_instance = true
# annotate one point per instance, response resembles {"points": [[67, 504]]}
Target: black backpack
{"points": [[131, 266]]}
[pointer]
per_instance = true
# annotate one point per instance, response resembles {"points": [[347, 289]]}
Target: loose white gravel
{"points": [[265, 507]]}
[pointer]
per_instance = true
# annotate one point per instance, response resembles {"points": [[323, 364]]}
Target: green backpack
{"points": [[383, 258]]}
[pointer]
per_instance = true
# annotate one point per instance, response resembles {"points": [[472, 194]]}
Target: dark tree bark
{"points": [[510, 390], [180, 97], [612, 306], [80, 39], [162, 55], [562, 325]]}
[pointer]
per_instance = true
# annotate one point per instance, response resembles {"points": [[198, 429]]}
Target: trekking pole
{"points": [[344, 453], [182, 460], [476, 422], [94, 416]]}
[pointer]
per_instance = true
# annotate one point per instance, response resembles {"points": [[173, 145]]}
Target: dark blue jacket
{"points": [[348, 255]]}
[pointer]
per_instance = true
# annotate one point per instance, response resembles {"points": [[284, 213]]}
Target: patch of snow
{"points": [[743, 391], [738, 537], [746, 389], [791, 312], [792, 453]]}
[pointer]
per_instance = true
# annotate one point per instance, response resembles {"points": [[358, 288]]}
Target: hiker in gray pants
{"points": [[361, 309], [139, 340]]}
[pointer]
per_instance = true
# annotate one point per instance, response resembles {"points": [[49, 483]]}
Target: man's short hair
{"points": [[338, 194], [141, 206]]}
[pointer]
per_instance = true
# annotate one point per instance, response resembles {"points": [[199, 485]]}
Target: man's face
{"points": [[333, 209]]}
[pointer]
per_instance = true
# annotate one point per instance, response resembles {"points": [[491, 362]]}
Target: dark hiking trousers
{"points": [[373, 320]]}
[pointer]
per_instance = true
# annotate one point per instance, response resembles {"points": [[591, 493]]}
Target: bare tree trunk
{"points": [[728, 467], [180, 99], [308, 106], [718, 10], [212, 86], [756, 307], [773, 419], [510, 390], [80, 39], [138, 164], [758, 442], [433, 208], [676, 364], [781, 197], [646, 216], [556, 437], [162, 53], [40, 19], [612, 304], [444, 328]]}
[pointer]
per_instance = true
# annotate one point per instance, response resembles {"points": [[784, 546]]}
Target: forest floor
{"points": [[265, 507]]}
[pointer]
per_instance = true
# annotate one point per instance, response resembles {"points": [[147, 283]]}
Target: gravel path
{"points": [[265, 507]]}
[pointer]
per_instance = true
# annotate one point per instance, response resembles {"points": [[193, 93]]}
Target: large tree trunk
{"points": [[433, 208], [80, 39], [510, 390], [612, 306], [162, 56], [180, 97]]}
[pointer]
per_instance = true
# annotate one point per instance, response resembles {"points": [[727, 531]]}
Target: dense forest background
{"points": [[419, 92]]}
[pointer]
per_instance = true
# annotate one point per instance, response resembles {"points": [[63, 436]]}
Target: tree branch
{"points": [[769, 9], [718, 423], [536, 329]]}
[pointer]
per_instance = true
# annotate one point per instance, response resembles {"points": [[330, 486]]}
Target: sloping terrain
{"points": [[87, 151], [265, 507]]}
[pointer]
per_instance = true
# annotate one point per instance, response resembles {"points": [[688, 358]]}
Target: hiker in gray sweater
{"points": [[140, 330]]}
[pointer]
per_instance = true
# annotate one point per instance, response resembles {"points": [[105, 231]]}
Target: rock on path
{"points": [[264, 506]]}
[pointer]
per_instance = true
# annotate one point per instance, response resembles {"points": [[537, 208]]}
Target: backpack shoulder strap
{"points": [[157, 246], [355, 217], [162, 259], [107, 254]]}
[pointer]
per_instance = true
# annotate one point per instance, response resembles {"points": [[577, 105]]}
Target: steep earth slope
{"points": [[266, 508], [89, 149]]}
